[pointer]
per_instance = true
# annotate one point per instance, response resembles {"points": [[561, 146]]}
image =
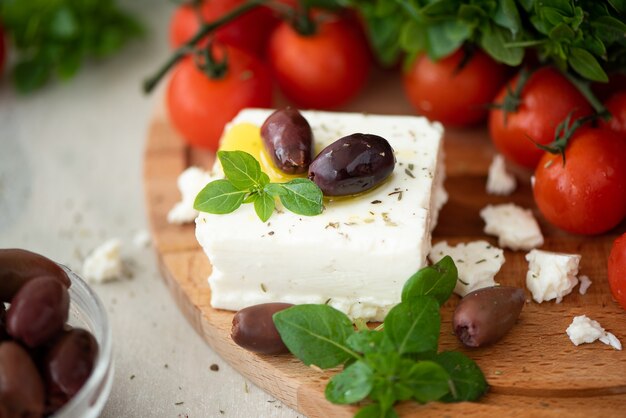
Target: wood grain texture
{"points": [[534, 371]]}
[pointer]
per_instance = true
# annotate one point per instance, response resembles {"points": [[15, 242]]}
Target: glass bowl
{"points": [[87, 312]]}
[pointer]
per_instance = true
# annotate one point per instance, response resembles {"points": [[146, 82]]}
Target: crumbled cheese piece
{"points": [[551, 275], [586, 330], [142, 239], [500, 181], [104, 263], [515, 227], [585, 282], [190, 182], [477, 263]]}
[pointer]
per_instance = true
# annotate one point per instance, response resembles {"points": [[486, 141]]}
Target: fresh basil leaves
{"points": [[246, 183], [398, 363]]}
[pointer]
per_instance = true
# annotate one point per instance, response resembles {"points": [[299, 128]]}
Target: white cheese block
{"points": [[358, 253], [477, 263], [515, 227], [499, 181], [104, 264], [190, 182], [585, 330], [585, 282], [551, 275]]}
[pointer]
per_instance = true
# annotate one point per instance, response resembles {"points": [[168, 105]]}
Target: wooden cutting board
{"points": [[534, 371]]}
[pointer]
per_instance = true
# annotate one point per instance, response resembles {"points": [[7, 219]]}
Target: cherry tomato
{"points": [[617, 106], [248, 32], [547, 99], [453, 92], [617, 270], [323, 70], [587, 195], [199, 106]]}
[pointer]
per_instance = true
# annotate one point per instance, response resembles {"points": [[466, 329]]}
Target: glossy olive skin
{"points": [[485, 315], [352, 164], [18, 266], [68, 364], [288, 139], [3, 326], [254, 329], [38, 311], [21, 386]]}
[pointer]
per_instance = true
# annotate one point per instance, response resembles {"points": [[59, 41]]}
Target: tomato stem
{"points": [[205, 29], [302, 21], [584, 89]]}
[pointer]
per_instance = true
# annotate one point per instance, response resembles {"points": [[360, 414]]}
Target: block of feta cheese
{"points": [[358, 253], [551, 275], [515, 227], [104, 264], [499, 180], [477, 263], [585, 330], [190, 182], [585, 282]]}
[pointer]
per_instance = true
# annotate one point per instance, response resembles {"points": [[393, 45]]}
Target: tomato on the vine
{"points": [[322, 70], [455, 90], [248, 32], [587, 194], [617, 106], [200, 106], [545, 100], [617, 270]]}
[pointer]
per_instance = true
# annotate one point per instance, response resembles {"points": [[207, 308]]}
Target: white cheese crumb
{"points": [[499, 181], [104, 263], [477, 263], [551, 275], [586, 330], [142, 239], [515, 227], [585, 282], [190, 182]]}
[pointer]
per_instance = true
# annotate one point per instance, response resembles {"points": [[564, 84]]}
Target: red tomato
{"points": [[617, 270], [248, 32], [199, 106], [617, 106], [546, 100], [323, 70], [587, 195], [442, 91]]}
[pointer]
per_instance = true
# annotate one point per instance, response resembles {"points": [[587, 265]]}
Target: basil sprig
{"points": [[246, 183], [397, 363]]}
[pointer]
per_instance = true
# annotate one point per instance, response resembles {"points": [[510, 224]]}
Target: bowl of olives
{"points": [[55, 340]]}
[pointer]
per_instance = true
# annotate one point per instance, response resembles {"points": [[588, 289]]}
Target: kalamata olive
{"points": [[254, 330], [21, 387], [288, 139], [19, 266], [68, 364], [38, 311], [3, 324], [485, 315], [352, 164]]}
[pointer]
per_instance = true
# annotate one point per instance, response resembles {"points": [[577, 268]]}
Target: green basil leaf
{"points": [[437, 281], [413, 37], [264, 206], [413, 326], [618, 5], [562, 32], [375, 411], [444, 38], [428, 380], [29, 75], [609, 29], [302, 197], [264, 180], [494, 41], [508, 17], [467, 380], [63, 24], [241, 169], [351, 385], [219, 197], [316, 334], [275, 189], [586, 65], [370, 341], [390, 384]]}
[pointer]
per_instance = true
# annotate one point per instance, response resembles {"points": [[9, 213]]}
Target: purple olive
{"points": [[19, 266], [254, 329], [21, 387], [3, 324], [288, 139], [68, 364], [38, 311], [352, 164], [485, 315]]}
